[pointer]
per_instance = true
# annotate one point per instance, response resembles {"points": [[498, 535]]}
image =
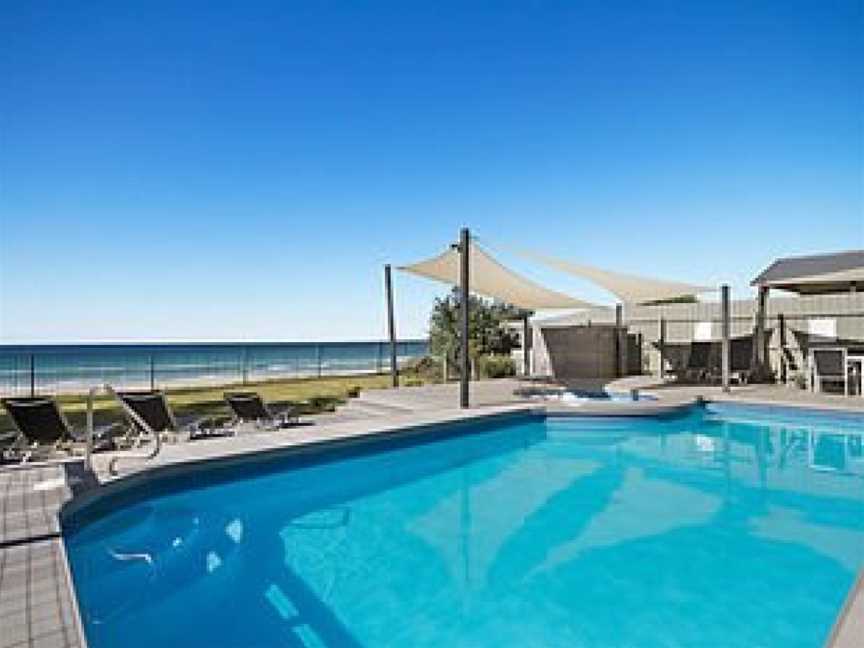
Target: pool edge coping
{"points": [[131, 480], [838, 629]]}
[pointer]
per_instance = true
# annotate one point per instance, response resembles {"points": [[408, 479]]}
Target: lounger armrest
{"points": [[102, 432], [210, 422], [286, 411], [10, 436]]}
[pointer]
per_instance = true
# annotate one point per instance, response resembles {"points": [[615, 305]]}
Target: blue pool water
{"points": [[728, 526]]}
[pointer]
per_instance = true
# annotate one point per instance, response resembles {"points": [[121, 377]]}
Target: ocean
{"points": [[74, 368]]}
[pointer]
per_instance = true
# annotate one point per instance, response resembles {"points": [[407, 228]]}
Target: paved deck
{"points": [[36, 603]]}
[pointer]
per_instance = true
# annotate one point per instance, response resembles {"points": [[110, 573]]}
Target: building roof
{"points": [[489, 278], [816, 274]]}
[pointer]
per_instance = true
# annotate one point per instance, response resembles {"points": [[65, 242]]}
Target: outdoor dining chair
{"points": [[828, 366]]}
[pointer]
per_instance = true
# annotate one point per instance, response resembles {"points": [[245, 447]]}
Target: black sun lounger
{"points": [[151, 409], [249, 407], [42, 427]]}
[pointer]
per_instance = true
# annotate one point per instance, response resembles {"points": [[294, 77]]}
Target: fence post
{"points": [[32, 374], [245, 367], [318, 358], [152, 372]]}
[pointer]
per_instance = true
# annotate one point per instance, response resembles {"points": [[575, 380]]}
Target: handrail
{"points": [[88, 448], [157, 448], [130, 413]]}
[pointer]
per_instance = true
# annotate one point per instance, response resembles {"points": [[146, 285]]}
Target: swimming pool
{"points": [[725, 526]]}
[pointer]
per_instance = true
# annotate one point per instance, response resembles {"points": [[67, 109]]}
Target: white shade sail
{"points": [[491, 279], [630, 289]]}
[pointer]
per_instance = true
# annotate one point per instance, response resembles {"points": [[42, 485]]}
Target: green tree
{"points": [[486, 331]]}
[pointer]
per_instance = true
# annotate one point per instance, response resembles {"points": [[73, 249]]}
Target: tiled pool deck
{"points": [[36, 603], [37, 606]]}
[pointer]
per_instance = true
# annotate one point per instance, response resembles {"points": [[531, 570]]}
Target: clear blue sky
{"points": [[212, 170]]}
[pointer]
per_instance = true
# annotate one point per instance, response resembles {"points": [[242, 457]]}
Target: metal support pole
{"points": [[464, 257], [152, 373], [244, 370], [662, 344], [318, 358], [784, 368], [619, 341], [32, 374], [759, 341], [726, 330], [391, 325], [526, 345]]}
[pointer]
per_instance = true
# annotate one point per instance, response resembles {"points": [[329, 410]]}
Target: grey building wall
{"points": [[578, 351]]}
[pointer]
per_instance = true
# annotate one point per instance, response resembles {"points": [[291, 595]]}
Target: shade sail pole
{"points": [[725, 360], [391, 325], [464, 251]]}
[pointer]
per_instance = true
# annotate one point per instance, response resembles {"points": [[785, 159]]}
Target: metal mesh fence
{"points": [[58, 369]]}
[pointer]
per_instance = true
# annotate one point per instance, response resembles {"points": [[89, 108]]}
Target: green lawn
{"points": [[206, 401]]}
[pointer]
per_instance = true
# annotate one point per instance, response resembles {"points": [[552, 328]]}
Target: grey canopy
{"points": [[817, 274]]}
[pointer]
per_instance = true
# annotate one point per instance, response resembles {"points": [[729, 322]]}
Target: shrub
{"points": [[353, 391], [496, 366], [799, 379], [427, 369], [323, 403]]}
